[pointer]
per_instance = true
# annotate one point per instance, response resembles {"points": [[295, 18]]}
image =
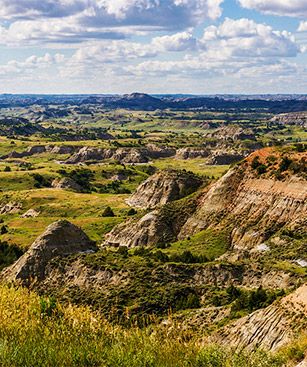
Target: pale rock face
{"points": [[66, 183], [293, 118], [144, 232], [190, 153], [10, 208], [164, 187], [253, 205], [61, 238], [269, 328], [155, 151], [31, 213], [124, 155], [39, 149]]}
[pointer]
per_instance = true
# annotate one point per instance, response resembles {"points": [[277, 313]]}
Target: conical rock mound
{"points": [[163, 187], [61, 238]]}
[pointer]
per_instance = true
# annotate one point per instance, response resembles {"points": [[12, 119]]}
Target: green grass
{"points": [[82, 209], [210, 243], [36, 332], [195, 165]]}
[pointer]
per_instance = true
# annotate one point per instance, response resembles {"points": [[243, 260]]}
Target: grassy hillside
{"points": [[38, 332]]}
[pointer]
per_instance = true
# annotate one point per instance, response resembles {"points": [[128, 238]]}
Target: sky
{"points": [[153, 46]]}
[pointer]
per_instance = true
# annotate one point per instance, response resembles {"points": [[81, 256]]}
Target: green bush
{"points": [[8, 254], [108, 212]]}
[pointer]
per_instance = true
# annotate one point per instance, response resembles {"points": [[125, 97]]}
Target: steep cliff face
{"points": [[61, 238], [271, 327], [123, 155], [160, 226], [190, 153], [147, 231], [254, 205], [163, 187]]}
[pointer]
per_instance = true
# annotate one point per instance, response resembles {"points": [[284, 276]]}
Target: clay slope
{"points": [[253, 206], [123, 155], [294, 118], [269, 328], [160, 226], [61, 238], [163, 187]]}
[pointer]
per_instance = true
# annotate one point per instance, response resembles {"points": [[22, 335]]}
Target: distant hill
{"points": [[142, 101]]}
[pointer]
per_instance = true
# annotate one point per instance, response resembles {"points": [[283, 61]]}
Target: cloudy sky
{"points": [[153, 46]]}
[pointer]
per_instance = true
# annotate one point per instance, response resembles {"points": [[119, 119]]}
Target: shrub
{"points": [[123, 250], [285, 164], [108, 212], [8, 254], [41, 181], [188, 258], [255, 163], [4, 229], [261, 169], [131, 212]]}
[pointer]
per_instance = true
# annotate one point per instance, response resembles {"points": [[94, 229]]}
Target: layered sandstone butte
{"points": [[163, 187], [271, 327], [61, 238]]}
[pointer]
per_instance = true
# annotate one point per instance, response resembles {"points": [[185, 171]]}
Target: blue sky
{"points": [[153, 46]]}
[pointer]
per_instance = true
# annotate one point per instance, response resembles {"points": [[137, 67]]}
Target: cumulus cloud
{"points": [[246, 38], [30, 64], [55, 30], [292, 8], [166, 14], [78, 20], [177, 42]]}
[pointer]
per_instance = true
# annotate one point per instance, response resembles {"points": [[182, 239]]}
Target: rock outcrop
{"points": [[224, 158], [123, 155], [60, 239], [66, 183], [256, 207], [231, 133], [160, 226], [269, 328], [145, 232], [163, 187], [190, 153], [39, 149], [253, 207], [10, 208], [154, 151], [31, 213], [294, 118]]}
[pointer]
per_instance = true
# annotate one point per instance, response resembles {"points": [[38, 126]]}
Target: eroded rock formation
{"points": [[163, 187], [61, 238]]}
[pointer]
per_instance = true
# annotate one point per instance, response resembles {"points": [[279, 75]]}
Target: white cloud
{"points": [[166, 14], [55, 30], [30, 64], [302, 27], [37, 21], [177, 42], [292, 8], [246, 38]]}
